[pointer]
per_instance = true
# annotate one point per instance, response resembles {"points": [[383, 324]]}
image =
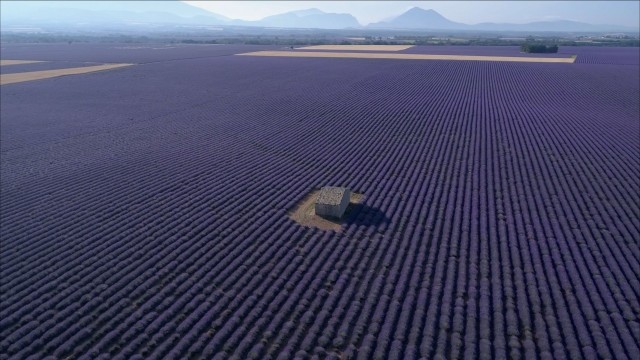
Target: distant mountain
{"points": [[120, 15], [306, 12], [309, 18], [420, 19], [99, 13], [417, 18], [96, 14]]}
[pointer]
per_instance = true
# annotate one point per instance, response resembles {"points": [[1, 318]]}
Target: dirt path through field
{"points": [[407, 56], [45, 74]]}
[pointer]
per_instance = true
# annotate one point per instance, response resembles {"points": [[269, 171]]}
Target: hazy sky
{"points": [[468, 12]]}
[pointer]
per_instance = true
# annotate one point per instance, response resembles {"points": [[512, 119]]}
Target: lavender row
{"points": [[499, 215]]}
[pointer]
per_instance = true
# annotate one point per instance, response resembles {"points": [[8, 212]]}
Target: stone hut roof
{"points": [[331, 195]]}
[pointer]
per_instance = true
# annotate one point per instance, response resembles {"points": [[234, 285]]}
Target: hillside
{"points": [[417, 18], [99, 13], [310, 18]]}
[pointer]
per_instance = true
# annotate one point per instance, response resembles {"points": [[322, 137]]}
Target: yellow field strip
{"points": [[407, 56], [357, 47], [18, 62], [45, 74]]}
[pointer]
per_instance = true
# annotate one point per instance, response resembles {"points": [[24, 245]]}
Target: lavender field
{"points": [[143, 210]]}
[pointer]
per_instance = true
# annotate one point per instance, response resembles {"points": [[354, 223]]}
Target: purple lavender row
{"points": [[486, 229]]}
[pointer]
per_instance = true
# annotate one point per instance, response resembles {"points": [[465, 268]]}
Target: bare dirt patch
{"points": [[357, 47], [45, 74], [407, 56], [304, 212], [18, 62]]}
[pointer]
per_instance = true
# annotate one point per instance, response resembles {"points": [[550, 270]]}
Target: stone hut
{"points": [[332, 201]]}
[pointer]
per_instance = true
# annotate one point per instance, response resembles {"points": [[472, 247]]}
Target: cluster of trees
{"points": [[538, 48]]}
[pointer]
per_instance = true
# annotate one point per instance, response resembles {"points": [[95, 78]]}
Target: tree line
{"points": [[538, 48]]}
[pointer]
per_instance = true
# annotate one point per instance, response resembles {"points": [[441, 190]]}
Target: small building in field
{"points": [[332, 201]]}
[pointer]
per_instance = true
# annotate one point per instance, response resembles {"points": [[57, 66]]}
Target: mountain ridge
{"points": [[417, 18], [310, 18], [115, 13]]}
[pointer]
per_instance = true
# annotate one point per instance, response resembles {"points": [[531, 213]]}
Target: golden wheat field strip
{"points": [[18, 62], [408, 56], [357, 47], [45, 74]]}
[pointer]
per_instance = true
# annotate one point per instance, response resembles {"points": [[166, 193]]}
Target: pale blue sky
{"points": [[468, 12]]}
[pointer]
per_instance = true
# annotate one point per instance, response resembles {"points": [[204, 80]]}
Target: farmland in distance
{"points": [[144, 209]]}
